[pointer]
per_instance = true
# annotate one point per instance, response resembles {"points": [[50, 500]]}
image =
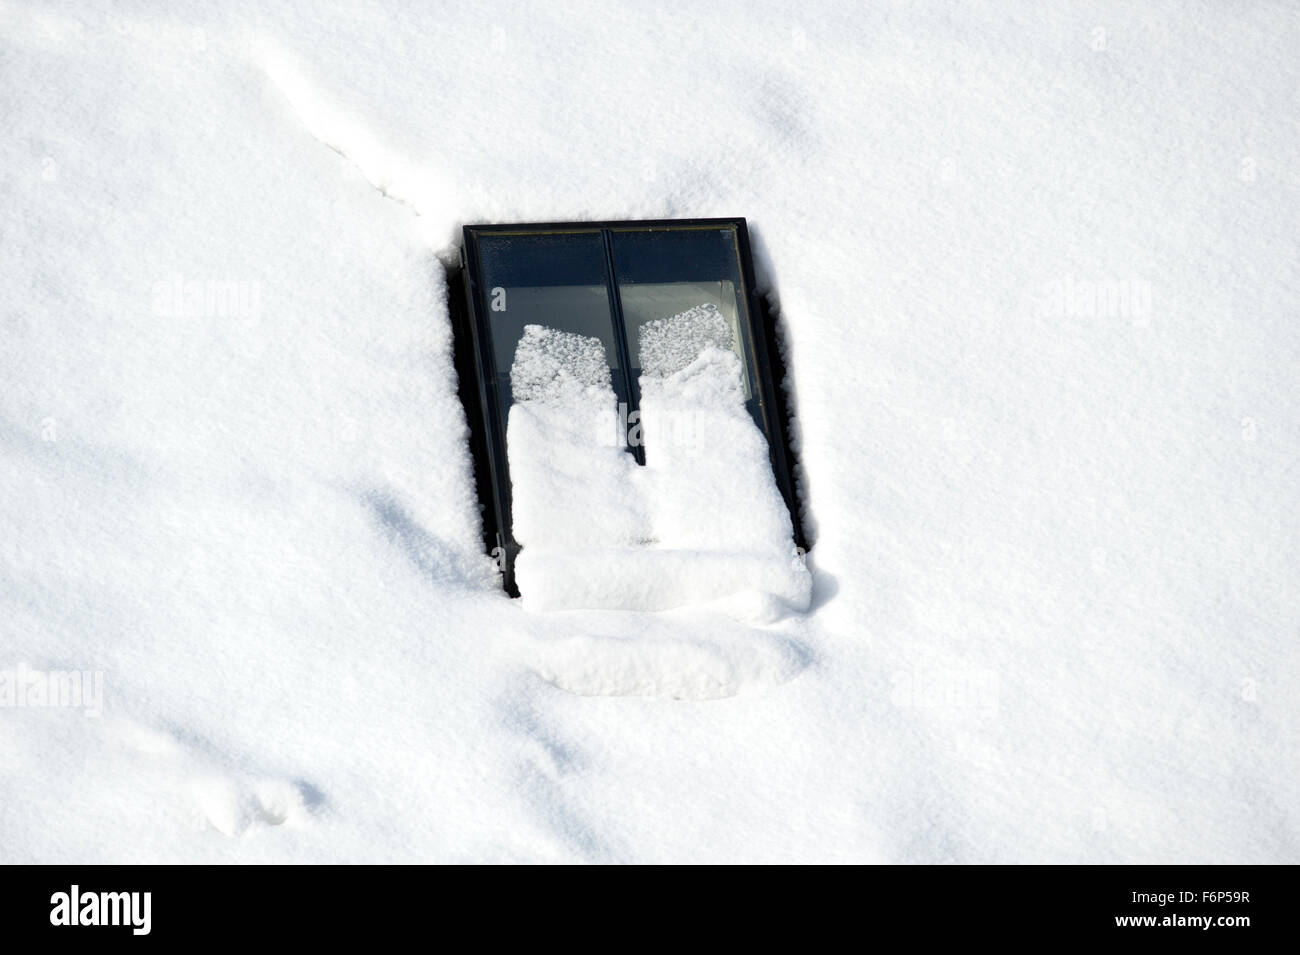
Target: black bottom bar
{"points": [[1231, 905]]}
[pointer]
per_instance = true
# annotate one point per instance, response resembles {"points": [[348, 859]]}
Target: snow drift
{"points": [[701, 522]]}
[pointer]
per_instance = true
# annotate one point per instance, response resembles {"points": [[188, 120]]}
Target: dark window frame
{"points": [[476, 368]]}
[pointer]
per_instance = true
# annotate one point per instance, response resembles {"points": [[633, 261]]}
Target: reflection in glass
{"points": [[665, 273], [554, 280]]}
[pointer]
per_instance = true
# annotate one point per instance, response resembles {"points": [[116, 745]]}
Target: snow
{"points": [[702, 522], [668, 345], [709, 462], [572, 485], [1037, 273], [555, 367]]}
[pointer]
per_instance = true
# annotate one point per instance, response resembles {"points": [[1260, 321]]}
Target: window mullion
{"points": [[632, 388]]}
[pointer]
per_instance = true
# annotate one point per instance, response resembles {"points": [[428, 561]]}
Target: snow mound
{"points": [[702, 521], [658, 578], [570, 478], [661, 658], [710, 466]]}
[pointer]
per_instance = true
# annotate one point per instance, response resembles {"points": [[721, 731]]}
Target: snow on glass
{"points": [[551, 365], [670, 344]]}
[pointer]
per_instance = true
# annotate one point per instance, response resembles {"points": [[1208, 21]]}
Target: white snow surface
{"points": [[1037, 273]]}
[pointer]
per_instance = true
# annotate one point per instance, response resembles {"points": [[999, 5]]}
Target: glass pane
{"points": [[665, 273], [557, 281]]}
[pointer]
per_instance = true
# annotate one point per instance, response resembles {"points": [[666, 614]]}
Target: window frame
{"points": [[475, 361]]}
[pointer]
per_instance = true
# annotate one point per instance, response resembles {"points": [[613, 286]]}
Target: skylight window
{"points": [[586, 352]]}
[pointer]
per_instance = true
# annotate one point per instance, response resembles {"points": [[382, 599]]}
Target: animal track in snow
{"points": [[229, 801], [233, 804]]}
